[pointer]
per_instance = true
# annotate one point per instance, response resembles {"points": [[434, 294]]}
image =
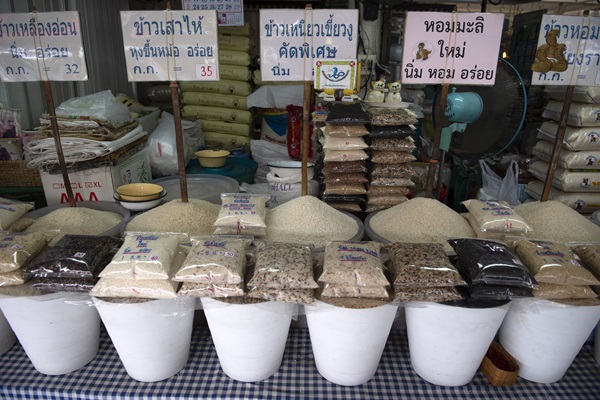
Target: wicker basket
{"points": [[15, 173], [503, 374]]}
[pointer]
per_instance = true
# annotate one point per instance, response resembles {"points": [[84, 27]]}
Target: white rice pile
{"points": [[553, 220], [309, 220], [421, 220], [76, 221], [196, 217]]}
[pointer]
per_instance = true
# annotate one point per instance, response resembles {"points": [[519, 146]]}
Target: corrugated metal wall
{"points": [[103, 46]]}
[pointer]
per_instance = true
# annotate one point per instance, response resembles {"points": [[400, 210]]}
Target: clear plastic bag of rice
{"points": [[402, 170], [552, 262], [283, 265], [143, 256], [202, 289], [431, 294], [590, 256], [392, 116], [344, 143], [298, 296], [81, 285], [490, 262], [11, 211], [407, 144], [242, 214], [17, 249], [345, 131], [12, 278], [391, 157], [75, 256], [336, 167], [361, 292], [498, 292], [142, 288], [349, 263], [421, 265], [495, 216], [551, 291], [215, 261]]}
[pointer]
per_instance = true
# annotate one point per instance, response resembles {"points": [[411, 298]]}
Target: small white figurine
{"points": [[376, 95], [394, 95]]}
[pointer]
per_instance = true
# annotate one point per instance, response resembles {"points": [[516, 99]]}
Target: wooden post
{"points": [[57, 143], [179, 141], [435, 151], [560, 134]]}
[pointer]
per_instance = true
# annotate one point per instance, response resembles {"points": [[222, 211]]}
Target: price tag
{"points": [[205, 71]]}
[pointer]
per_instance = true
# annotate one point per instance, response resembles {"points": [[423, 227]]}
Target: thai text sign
{"points": [[171, 45], [41, 47], [292, 40], [459, 48], [568, 51]]}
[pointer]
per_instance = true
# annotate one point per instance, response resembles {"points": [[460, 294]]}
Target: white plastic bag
{"points": [[497, 188], [100, 106], [163, 148]]}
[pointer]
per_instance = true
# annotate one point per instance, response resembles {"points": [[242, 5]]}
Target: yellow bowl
{"points": [[139, 191], [212, 158]]}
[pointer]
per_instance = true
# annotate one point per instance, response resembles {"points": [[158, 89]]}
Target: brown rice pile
{"points": [[196, 217], [421, 220], [553, 220]]}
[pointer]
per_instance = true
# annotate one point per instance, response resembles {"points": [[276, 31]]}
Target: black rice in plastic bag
{"points": [[490, 262], [346, 113], [498, 292], [75, 256], [392, 131], [64, 284]]}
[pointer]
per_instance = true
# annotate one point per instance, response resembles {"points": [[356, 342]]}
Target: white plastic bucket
{"points": [[60, 332], [249, 339], [447, 343], [348, 343], [7, 336], [597, 343], [545, 337], [152, 338]]}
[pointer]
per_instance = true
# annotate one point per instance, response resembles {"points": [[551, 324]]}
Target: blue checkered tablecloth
{"points": [[105, 378]]}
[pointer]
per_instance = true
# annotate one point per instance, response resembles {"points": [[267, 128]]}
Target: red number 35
{"points": [[206, 70]]}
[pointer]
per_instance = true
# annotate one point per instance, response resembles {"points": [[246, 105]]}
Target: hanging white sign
{"points": [[41, 47], [229, 12], [458, 48], [568, 51], [291, 41], [171, 45]]}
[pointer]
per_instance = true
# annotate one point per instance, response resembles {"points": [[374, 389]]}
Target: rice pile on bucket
{"points": [[76, 221], [196, 217], [309, 220], [553, 220], [421, 220]]}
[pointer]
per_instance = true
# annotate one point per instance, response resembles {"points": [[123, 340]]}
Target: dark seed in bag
{"points": [[498, 292], [343, 113], [393, 131], [489, 262]]}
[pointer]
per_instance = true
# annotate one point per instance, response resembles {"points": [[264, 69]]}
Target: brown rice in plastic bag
{"points": [[298, 296], [201, 289], [350, 263], [367, 292], [551, 291], [345, 130], [391, 157], [431, 294], [590, 255], [344, 188], [17, 249], [335, 167], [388, 144]]}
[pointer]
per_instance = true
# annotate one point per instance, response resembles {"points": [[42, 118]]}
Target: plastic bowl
{"points": [[139, 191], [284, 169], [140, 205], [212, 158]]}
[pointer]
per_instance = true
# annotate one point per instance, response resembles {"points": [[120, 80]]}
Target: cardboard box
{"points": [[97, 183]]}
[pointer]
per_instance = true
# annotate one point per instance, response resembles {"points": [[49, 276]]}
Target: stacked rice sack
{"points": [[391, 154], [221, 105], [576, 181], [344, 156]]}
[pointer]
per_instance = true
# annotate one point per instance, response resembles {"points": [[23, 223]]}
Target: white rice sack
{"points": [[580, 114], [585, 159], [224, 86], [146, 256], [196, 217], [308, 219], [575, 139], [421, 220], [493, 216], [242, 214], [567, 180], [226, 127], [553, 220], [581, 94], [344, 155], [582, 202], [214, 100], [11, 211], [215, 261], [217, 114], [344, 143]]}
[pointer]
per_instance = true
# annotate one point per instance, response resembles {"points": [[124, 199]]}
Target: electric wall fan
{"points": [[482, 121]]}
